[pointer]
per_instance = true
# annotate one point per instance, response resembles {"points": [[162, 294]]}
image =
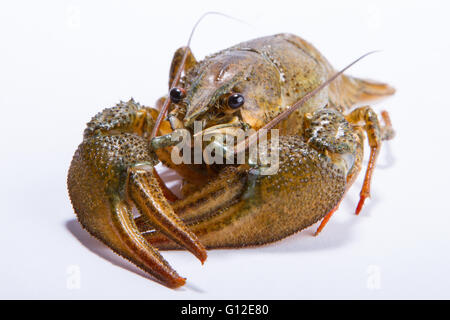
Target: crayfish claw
{"points": [[139, 251], [145, 192], [110, 173]]}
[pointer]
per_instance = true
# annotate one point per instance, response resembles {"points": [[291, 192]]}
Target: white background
{"points": [[63, 61]]}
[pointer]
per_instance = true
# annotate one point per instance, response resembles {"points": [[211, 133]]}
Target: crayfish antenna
{"points": [[177, 77]]}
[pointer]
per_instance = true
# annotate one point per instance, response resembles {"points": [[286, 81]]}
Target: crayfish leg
{"points": [[326, 219], [375, 134]]}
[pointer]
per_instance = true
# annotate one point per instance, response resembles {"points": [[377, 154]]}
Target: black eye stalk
{"points": [[177, 94], [235, 100]]}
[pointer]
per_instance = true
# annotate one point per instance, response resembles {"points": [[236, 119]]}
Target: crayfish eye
{"points": [[235, 100], [177, 94]]}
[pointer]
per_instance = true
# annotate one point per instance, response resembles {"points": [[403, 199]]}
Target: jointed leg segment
{"points": [[375, 133]]}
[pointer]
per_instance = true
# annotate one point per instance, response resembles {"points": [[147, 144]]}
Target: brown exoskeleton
{"points": [[244, 87]]}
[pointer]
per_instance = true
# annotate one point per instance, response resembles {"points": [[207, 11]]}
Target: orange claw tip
{"points": [[177, 282], [202, 255], [199, 251]]}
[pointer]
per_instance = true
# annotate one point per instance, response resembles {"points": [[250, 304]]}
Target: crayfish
{"points": [[277, 82]]}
